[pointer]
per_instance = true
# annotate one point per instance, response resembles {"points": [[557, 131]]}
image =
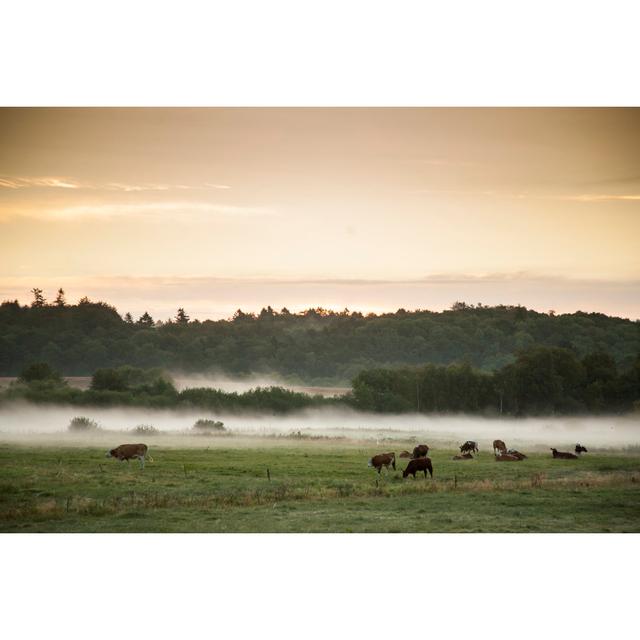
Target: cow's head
{"points": [[110, 454]]}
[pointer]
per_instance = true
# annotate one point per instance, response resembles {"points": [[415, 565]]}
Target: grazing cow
{"points": [[507, 457], [405, 454], [463, 456], [418, 464], [517, 454], [383, 460], [580, 449], [499, 447], [420, 451], [128, 451], [469, 447], [566, 455]]}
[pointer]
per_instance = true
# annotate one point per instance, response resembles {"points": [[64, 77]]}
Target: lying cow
{"points": [[421, 451], [563, 454], [469, 447], [463, 456], [383, 460], [418, 464], [405, 454], [128, 451], [580, 449], [513, 452], [507, 457]]}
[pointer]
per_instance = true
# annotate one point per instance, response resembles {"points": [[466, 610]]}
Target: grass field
{"points": [[314, 486]]}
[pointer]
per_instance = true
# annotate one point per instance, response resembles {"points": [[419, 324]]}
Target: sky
{"points": [[371, 209]]}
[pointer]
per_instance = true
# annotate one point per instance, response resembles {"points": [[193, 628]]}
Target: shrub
{"points": [[209, 425], [81, 423], [39, 371], [146, 430]]}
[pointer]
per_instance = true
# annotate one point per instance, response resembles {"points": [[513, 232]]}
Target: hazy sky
{"points": [[374, 209]]}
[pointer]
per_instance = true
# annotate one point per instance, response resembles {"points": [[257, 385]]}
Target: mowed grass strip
{"points": [[313, 487]]}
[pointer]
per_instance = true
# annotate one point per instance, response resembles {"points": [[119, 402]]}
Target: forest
{"points": [[541, 381], [316, 346]]}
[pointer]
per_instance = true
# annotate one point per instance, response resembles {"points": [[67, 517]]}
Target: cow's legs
{"points": [[141, 458]]}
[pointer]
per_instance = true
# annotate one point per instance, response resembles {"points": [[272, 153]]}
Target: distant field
{"points": [[315, 486]]}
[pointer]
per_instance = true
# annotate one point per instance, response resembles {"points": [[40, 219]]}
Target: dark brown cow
{"points": [[405, 454], [129, 451], [499, 447], [421, 451], [418, 464], [580, 449], [469, 447], [507, 457], [517, 454], [566, 455], [383, 460], [463, 456]]}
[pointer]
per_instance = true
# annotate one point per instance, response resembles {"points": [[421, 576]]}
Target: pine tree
{"points": [[38, 298], [182, 317], [146, 320], [60, 300], [128, 318]]}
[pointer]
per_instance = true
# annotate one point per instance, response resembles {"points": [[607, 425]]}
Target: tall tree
{"points": [[128, 318], [146, 320], [182, 317], [60, 300], [38, 298]]}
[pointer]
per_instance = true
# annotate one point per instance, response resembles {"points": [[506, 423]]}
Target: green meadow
{"points": [[324, 485]]}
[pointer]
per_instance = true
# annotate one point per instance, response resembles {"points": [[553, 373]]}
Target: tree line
{"points": [[541, 381], [315, 346]]}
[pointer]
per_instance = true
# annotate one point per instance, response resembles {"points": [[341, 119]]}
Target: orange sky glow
{"points": [[370, 209]]}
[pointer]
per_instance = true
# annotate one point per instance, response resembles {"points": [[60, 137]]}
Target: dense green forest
{"points": [[315, 346], [541, 381]]}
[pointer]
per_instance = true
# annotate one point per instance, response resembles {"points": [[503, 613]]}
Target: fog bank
{"points": [[21, 421]]}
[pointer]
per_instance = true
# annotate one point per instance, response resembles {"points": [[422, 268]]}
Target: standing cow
{"points": [[469, 447], [418, 464], [499, 447], [421, 451], [383, 460], [129, 451]]}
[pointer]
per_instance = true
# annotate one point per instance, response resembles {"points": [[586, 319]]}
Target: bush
{"points": [[39, 371], [81, 423], [209, 425], [146, 430]]}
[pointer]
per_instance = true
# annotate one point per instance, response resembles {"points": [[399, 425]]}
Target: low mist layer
{"points": [[25, 422]]}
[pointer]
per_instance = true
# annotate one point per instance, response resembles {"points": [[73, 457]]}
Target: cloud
{"points": [[53, 182], [524, 195], [176, 210], [7, 182], [601, 197]]}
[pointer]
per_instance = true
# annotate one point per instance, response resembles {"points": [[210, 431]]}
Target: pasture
{"points": [[324, 485]]}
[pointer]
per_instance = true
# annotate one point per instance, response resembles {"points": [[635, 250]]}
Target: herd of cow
{"points": [[420, 461]]}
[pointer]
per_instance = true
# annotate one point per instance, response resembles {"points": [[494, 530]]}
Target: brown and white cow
{"points": [[499, 447], [514, 452], [383, 460], [507, 457], [129, 451], [463, 456], [418, 464], [566, 455], [469, 446], [404, 454]]}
